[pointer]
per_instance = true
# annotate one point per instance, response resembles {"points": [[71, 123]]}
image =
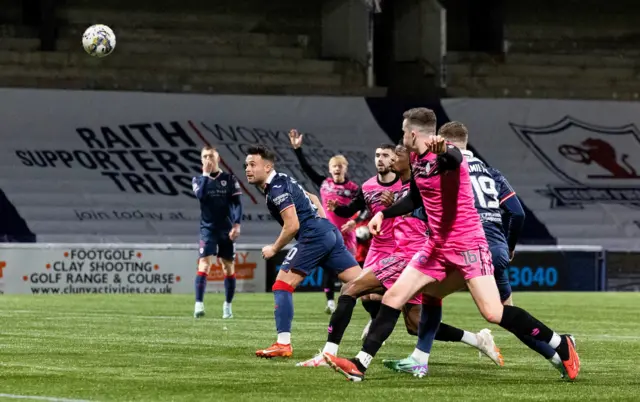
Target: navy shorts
{"points": [[326, 250], [500, 259], [218, 244]]}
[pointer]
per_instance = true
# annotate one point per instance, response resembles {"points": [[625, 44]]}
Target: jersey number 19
{"points": [[485, 191]]}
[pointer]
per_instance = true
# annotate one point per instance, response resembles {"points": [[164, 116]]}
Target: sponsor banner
{"points": [[557, 270], [623, 271], [78, 269], [576, 164], [86, 166]]}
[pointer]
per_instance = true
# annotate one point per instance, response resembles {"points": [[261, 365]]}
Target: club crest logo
{"points": [[599, 164]]}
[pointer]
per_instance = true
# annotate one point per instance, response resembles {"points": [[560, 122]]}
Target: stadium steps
{"points": [[159, 62], [181, 20], [620, 94], [193, 50]]}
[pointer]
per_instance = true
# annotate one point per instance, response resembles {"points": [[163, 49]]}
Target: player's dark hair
{"points": [[208, 148], [421, 117], [390, 147], [401, 148], [264, 152], [454, 131]]}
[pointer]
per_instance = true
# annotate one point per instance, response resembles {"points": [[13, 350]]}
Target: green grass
{"points": [[116, 348]]}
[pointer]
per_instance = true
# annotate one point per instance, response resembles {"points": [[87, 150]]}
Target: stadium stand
{"points": [[188, 46], [594, 57]]}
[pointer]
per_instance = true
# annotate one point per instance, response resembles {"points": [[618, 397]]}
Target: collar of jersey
{"points": [[467, 153], [271, 176]]}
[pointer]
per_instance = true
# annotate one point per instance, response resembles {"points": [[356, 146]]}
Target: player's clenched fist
{"points": [[436, 144], [268, 251], [296, 139], [375, 224], [387, 198]]}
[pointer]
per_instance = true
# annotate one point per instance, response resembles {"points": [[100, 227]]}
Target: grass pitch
{"points": [[135, 348]]}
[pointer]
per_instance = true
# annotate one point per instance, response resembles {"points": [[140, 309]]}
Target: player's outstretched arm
{"points": [[356, 205], [296, 143]]}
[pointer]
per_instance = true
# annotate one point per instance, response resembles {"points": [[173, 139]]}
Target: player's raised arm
{"points": [[316, 201], [356, 205], [296, 143], [450, 159], [199, 183]]}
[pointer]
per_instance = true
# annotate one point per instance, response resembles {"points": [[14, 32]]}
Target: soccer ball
{"points": [[99, 40], [362, 233]]}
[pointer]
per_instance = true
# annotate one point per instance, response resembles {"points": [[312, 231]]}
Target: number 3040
{"points": [[527, 276]]}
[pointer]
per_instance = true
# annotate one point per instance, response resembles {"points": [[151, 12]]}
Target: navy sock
{"points": [[283, 310], [538, 346], [430, 317], [229, 287], [201, 285]]}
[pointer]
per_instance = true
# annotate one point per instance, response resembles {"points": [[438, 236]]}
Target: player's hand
{"points": [[331, 205], [207, 167], [268, 251], [348, 227], [512, 254], [234, 233], [387, 198], [375, 224], [436, 144], [296, 138]]}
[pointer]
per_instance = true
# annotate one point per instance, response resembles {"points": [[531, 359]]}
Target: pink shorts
{"points": [[436, 261], [373, 256], [388, 271]]}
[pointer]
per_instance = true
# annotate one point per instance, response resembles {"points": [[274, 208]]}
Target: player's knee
{"points": [[352, 289], [393, 299], [204, 265], [229, 267], [492, 314]]}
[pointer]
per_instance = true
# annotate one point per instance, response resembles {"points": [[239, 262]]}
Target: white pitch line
{"points": [[41, 398]]}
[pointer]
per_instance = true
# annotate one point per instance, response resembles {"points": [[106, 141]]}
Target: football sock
{"points": [[340, 319], [521, 324], [430, 317], [283, 312], [229, 287], [447, 333], [372, 307], [538, 346], [201, 285], [381, 327], [329, 283]]}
